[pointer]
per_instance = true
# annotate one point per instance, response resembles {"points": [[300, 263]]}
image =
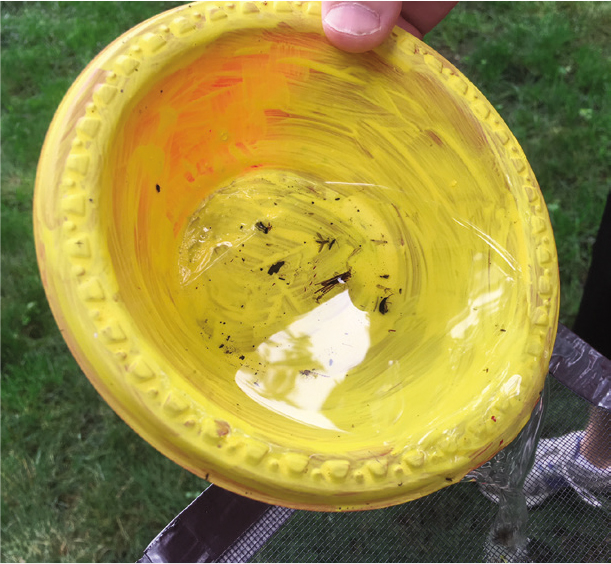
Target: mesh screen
{"points": [[257, 535], [457, 524]]}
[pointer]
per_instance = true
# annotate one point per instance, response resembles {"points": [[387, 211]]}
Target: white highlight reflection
{"points": [[492, 243], [301, 365]]}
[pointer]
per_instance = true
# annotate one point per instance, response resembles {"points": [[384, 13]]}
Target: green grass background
{"points": [[77, 483]]}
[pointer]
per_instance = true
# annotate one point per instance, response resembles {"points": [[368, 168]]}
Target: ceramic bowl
{"points": [[318, 279]]}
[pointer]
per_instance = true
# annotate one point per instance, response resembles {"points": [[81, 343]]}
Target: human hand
{"points": [[360, 26]]}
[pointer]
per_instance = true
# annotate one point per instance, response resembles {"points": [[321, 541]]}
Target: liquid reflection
{"points": [[492, 243], [488, 287], [303, 364]]}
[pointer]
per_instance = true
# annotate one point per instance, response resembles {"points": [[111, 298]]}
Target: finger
{"points": [[421, 17], [403, 24], [359, 26]]}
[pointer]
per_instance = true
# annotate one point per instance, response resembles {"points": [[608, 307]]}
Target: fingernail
{"points": [[352, 19]]}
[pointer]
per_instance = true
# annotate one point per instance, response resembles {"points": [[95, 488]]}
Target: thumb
{"points": [[359, 26]]}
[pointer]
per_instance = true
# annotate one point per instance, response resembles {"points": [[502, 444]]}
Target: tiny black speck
{"points": [[157, 187]]}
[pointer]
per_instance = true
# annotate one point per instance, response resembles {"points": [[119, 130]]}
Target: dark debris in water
{"points": [[275, 268]]}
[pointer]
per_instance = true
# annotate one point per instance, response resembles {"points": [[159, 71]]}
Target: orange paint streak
{"points": [[277, 113], [192, 132]]}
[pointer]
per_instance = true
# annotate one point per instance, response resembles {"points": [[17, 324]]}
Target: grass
{"points": [[77, 483]]}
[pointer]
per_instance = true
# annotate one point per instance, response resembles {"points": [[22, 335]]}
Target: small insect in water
{"points": [[328, 285], [312, 373], [383, 307], [322, 242], [262, 227]]}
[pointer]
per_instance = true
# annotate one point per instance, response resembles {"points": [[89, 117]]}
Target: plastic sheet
{"points": [[503, 477], [582, 369], [321, 280]]}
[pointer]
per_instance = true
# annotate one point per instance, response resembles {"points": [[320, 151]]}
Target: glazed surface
{"points": [[320, 279]]}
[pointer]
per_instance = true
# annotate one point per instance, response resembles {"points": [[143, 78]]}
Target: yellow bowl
{"points": [[318, 279]]}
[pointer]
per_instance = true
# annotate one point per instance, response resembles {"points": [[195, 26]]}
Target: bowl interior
{"points": [[329, 253]]}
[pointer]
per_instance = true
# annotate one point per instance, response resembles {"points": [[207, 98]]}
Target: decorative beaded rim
{"points": [[83, 293]]}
